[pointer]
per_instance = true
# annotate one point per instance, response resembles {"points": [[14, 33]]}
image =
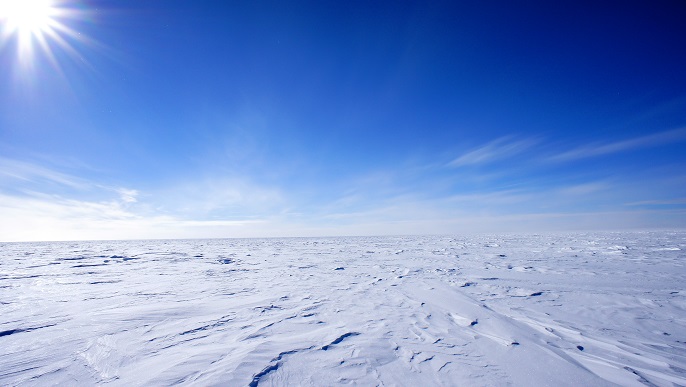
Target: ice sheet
{"points": [[563, 309]]}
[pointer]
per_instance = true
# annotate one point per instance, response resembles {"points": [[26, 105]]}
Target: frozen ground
{"points": [[574, 309]]}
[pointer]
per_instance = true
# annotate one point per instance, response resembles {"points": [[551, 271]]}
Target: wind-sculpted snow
{"points": [[576, 309]]}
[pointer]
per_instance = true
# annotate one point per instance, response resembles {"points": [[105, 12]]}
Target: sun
{"points": [[37, 22], [27, 17], [30, 21]]}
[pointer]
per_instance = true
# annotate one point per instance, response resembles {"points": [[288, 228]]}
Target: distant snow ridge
{"points": [[570, 309]]}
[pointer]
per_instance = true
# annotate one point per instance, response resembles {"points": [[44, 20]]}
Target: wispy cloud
{"points": [[593, 150], [217, 196], [32, 173], [34, 218], [128, 195], [28, 177], [669, 202], [482, 213], [483, 199], [387, 202], [583, 189], [39, 202], [498, 149]]}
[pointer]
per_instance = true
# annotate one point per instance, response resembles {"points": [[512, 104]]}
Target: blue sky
{"points": [[169, 119]]}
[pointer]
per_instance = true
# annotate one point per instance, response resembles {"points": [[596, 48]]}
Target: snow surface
{"points": [[573, 309]]}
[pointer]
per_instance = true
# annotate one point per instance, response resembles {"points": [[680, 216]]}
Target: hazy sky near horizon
{"points": [[174, 119]]}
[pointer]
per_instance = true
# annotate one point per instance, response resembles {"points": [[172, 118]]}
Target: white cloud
{"points": [[427, 218], [484, 199], [219, 206], [669, 202], [498, 149], [583, 189], [31, 173], [39, 203], [52, 218], [218, 196], [128, 195], [652, 140]]}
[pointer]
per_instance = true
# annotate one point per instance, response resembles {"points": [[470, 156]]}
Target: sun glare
{"points": [[38, 22], [27, 16]]}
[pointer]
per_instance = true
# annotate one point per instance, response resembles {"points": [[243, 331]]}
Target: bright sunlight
{"points": [[41, 22], [29, 20], [27, 16]]}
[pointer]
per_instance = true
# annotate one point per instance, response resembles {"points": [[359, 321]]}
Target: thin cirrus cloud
{"points": [[86, 209], [29, 178], [42, 217], [495, 150], [127, 195], [657, 139], [584, 189], [29, 173], [38, 202], [505, 147], [678, 201]]}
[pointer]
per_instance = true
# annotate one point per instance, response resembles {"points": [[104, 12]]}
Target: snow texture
{"points": [[589, 309]]}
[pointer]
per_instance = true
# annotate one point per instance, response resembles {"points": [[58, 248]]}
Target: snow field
{"points": [[565, 309]]}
